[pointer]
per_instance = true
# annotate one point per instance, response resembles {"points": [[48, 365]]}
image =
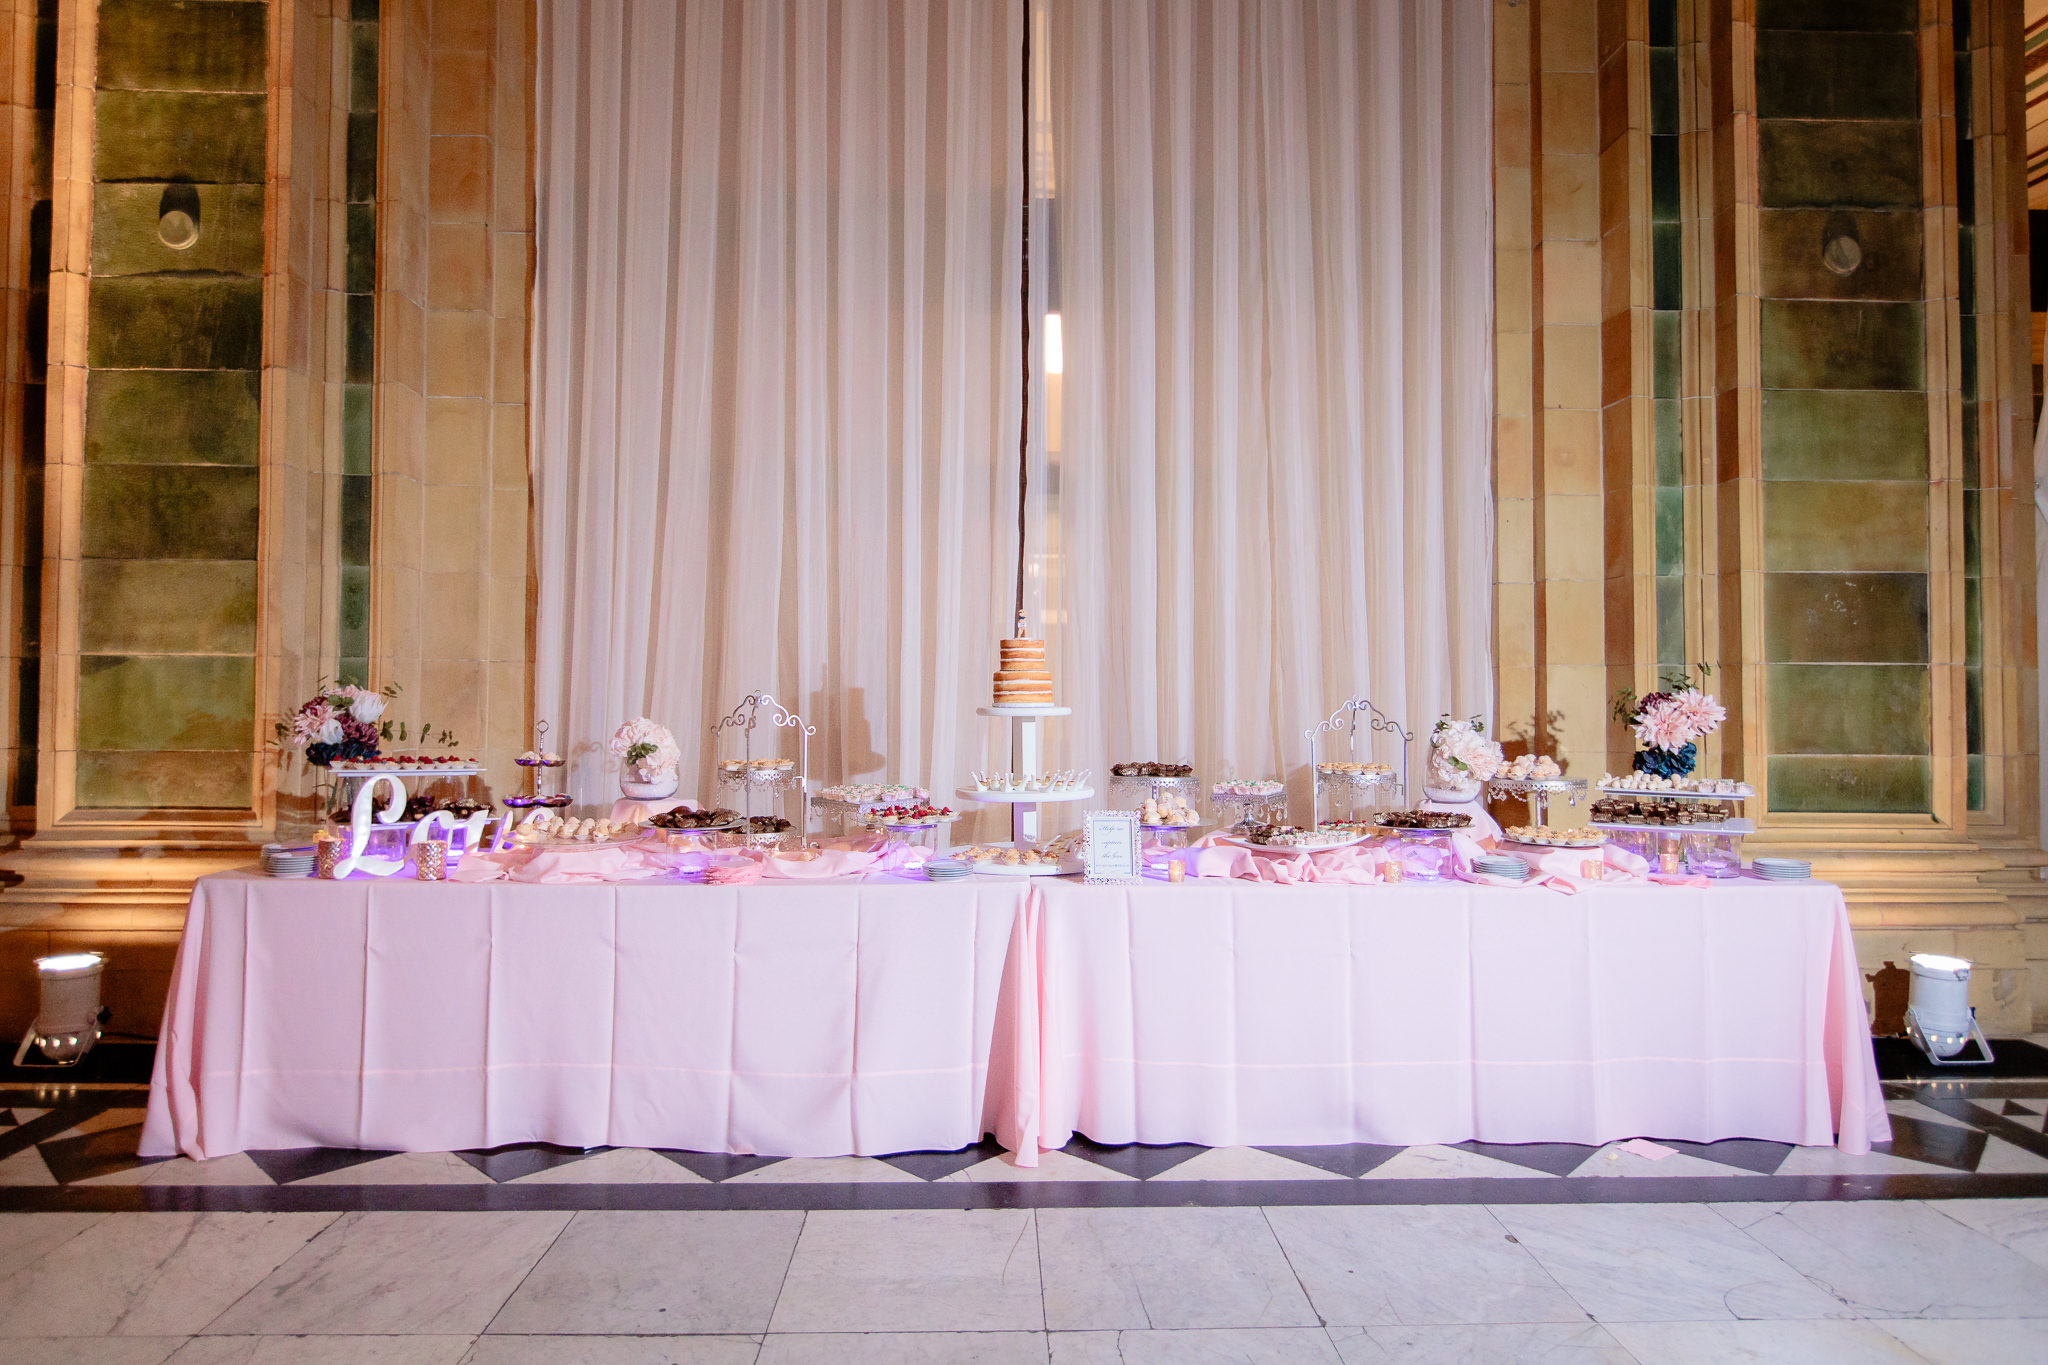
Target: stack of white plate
{"points": [[280, 861], [1501, 865], [947, 869], [1781, 869]]}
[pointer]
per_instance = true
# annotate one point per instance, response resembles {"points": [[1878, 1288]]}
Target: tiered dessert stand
{"points": [[1538, 791], [751, 784], [1346, 721], [540, 774], [1236, 811], [1724, 835], [1025, 753]]}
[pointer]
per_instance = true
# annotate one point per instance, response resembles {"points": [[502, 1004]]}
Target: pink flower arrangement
{"points": [[646, 747], [1460, 754], [344, 721], [1672, 720]]}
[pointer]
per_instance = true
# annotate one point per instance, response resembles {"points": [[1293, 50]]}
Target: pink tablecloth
{"points": [[811, 1018], [1240, 1013], [802, 1019]]}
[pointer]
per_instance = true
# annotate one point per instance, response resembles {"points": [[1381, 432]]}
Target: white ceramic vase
{"points": [[648, 791]]}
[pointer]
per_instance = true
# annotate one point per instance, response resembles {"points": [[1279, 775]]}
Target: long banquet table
{"points": [[883, 1015]]}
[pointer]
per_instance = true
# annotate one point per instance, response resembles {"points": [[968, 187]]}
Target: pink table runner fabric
{"points": [[1241, 1013], [799, 1019], [817, 1018]]}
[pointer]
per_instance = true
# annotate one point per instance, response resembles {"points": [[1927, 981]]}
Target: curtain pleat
{"points": [[776, 365], [775, 355], [1274, 451]]}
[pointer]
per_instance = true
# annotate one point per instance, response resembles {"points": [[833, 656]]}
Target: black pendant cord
{"points": [[1024, 416]]}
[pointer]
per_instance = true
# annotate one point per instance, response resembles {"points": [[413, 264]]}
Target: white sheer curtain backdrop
{"points": [[775, 373], [1272, 258]]}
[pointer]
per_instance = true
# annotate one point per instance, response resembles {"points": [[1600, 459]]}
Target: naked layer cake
{"points": [[1023, 679]]}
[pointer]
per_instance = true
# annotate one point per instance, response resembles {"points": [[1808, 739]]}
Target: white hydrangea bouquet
{"points": [[646, 750], [1461, 757]]}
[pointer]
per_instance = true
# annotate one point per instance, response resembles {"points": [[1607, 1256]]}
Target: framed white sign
{"points": [[1111, 854]]}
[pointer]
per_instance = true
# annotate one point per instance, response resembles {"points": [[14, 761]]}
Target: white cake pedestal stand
{"points": [[1024, 760]]}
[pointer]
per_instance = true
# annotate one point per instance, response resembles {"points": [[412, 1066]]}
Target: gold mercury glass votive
{"points": [[1391, 869], [1176, 871], [1593, 869], [327, 851], [430, 860]]}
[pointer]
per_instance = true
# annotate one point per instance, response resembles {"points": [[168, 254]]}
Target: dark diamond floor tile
{"points": [[6, 1118], [1748, 1154], [524, 1158], [286, 1164], [1350, 1159], [716, 1166], [101, 1153], [1938, 1144], [1138, 1162], [939, 1165], [1554, 1158], [2015, 1107]]}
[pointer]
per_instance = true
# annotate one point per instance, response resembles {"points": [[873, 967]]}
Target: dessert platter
{"points": [[863, 795], [1133, 780], [1676, 788], [772, 771], [1069, 784], [1249, 801], [1421, 821], [544, 829], [408, 765], [1659, 813], [699, 821], [1537, 777], [1166, 812], [1297, 838], [1542, 836], [1058, 858]]}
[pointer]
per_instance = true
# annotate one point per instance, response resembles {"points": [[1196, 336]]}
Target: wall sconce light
{"points": [[67, 1024]]}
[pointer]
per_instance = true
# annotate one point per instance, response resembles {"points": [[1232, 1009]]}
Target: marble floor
{"points": [[1962, 1281], [1934, 1249]]}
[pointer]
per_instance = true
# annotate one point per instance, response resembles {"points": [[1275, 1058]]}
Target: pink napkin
{"points": [[563, 865]]}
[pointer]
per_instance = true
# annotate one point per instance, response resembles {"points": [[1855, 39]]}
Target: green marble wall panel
{"points": [[169, 512], [1838, 708], [1845, 618], [1837, 75], [1816, 345], [155, 135], [1791, 243], [165, 701], [1869, 16], [167, 606], [1670, 441], [173, 417], [186, 45], [1670, 530], [169, 322], [356, 413], [1836, 785], [1816, 434], [166, 780], [1814, 163], [1845, 527], [125, 240]]}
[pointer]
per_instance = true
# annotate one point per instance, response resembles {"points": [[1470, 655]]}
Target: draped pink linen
{"points": [[1242, 1013], [795, 1018], [809, 1018]]}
